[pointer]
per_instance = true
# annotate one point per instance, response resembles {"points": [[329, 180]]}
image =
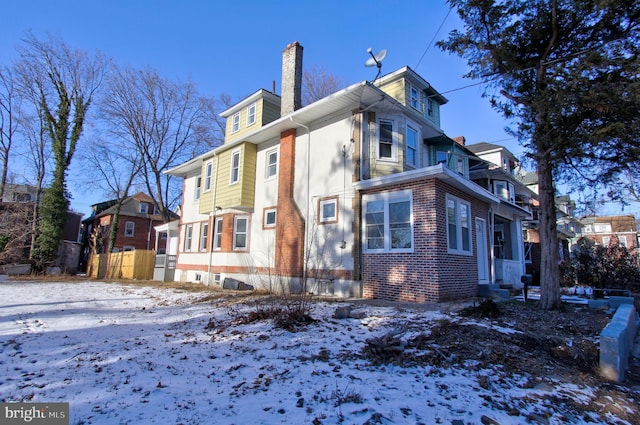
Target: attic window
{"points": [[235, 122], [387, 144], [143, 208], [251, 114], [414, 98]]}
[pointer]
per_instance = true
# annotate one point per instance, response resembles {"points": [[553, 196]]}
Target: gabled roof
{"points": [[131, 208], [415, 79], [260, 94]]}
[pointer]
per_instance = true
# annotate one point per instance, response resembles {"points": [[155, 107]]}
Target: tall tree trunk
{"points": [[115, 221], [549, 266]]}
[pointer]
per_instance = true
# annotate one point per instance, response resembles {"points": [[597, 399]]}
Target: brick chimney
{"points": [[461, 140], [291, 79]]}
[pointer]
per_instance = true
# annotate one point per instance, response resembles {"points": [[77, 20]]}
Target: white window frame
{"points": [[269, 212], [204, 236], [234, 174], [324, 219], [414, 98], [129, 229], [144, 207], [208, 176], [198, 188], [188, 237], [414, 148], [237, 233], [622, 241], [459, 226], [387, 199], [606, 241], [235, 122], [394, 140], [271, 169], [217, 233], [251, 114]]}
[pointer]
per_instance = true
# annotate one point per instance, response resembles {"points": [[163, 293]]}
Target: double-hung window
{"points": [[387, 144], [129, 228], [204, 235], [272, 164], [235, 122], [414, 98], [411, 157], [251, 114], [235, 167], [188, 236], [217, 233], [388, 222], [208, 174], [458, 226], [196, 196], [240, 232]]}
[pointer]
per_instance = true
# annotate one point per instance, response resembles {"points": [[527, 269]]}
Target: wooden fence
{"points": [[136, 264]]}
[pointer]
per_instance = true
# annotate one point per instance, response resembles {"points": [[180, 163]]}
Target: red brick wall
{"points": [[430, 273], [289, 256], [141, 239]]}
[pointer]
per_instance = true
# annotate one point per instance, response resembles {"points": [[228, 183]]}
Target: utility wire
{"points": [[433, 38]]}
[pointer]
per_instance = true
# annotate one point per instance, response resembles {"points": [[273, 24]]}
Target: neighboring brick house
{"points": [[358, 194], [137, 219], [20, 200], [609, 230]]}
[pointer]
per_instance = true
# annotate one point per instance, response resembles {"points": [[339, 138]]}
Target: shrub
{"points": [[598, 266]]}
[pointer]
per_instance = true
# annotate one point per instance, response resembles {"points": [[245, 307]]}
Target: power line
{"points": [[433, 38]]}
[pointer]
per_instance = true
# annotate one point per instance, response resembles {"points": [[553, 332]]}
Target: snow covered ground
{"points": [[123, 354]]}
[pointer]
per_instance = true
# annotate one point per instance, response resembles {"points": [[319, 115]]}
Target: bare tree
{"points": [[317, 83], [9, 119], [62, 83], [114, 166], [166, 122], [15, 231]]}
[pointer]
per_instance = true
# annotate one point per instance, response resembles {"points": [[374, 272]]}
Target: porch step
{"points": [[502, 291]]}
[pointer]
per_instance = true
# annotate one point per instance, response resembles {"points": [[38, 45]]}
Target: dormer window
{"points": [[251, 114], [235, 122], [414, 99], [387, 145], [143, 208]]}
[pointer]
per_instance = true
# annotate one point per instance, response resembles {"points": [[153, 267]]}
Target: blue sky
{"points": [[236, 48]]}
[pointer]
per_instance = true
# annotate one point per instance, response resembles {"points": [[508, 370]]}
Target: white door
{"points": [[483, 257]]}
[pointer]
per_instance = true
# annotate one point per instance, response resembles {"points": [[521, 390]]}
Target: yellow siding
{"points": [[397, 90], [265, 113], [206, 198], [240, 194]]}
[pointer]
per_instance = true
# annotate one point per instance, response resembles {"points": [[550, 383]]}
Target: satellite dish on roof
{"points": [[376, 60]]}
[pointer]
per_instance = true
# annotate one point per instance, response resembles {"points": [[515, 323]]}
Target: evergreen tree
{"points": [[567, 74]]}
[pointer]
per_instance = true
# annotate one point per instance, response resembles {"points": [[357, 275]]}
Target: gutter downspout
{"points": [[212, 216]]}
